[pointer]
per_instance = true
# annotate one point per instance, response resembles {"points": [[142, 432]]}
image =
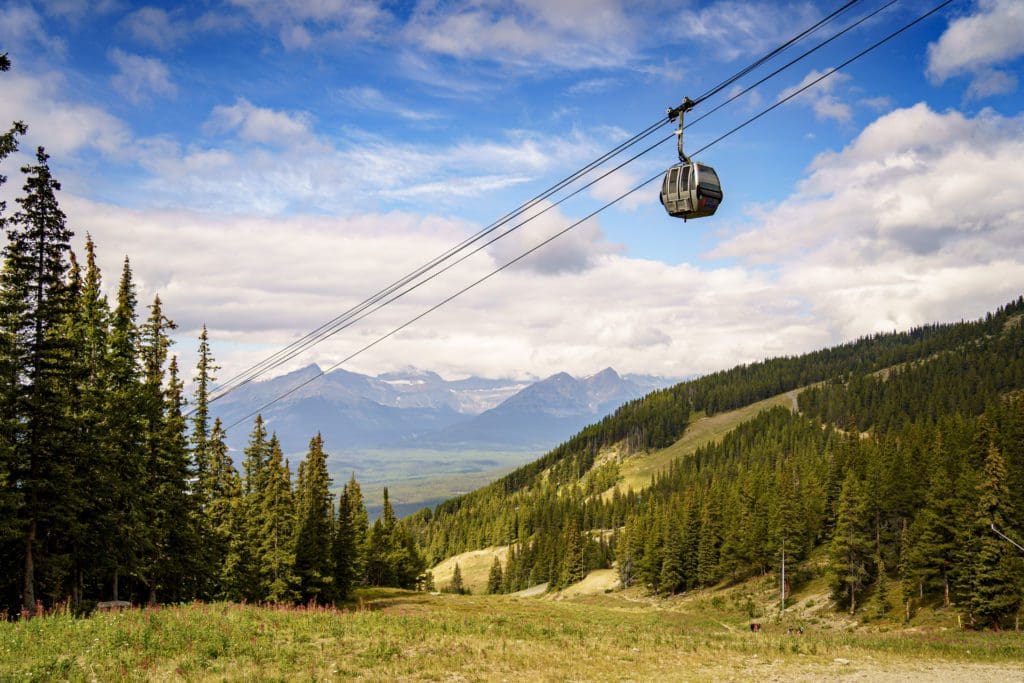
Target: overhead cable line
{"points": [[793, 61], [248, 375], [750, 67], [329, 328], [622, 196], [357, 313]]}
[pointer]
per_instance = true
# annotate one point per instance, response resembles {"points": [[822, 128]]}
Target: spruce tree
{"points": [[708, 547], [164, 508], [350, 540], [495, 577], [86, 332], [202, 380], [176, 571], [571, 569], [34, 307], [996, 573], [456, 586], [315, 509], [275, 525], [851, 552], [672, 578], [392, 558], [932, 537], [125, 537], [382, 547], [10, 495], [233, 565], [257, 455]]}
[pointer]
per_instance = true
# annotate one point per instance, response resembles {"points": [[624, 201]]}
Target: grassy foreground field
{"points": [[398, 635]]}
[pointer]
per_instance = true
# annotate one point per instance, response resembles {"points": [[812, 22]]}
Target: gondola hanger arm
{"points": [[679, 113]]}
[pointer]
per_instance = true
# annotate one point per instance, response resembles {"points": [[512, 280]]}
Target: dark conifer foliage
{"points": [[350, 533], [316, 527], [392, 558], [36, 301], [105, 492]]}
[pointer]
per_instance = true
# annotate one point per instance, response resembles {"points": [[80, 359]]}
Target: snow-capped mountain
{"points": [[421, 409]]}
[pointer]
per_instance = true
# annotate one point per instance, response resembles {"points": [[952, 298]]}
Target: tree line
{"points": [[108, 490]]}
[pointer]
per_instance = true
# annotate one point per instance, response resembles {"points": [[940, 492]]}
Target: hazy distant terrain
{"points": [[424, 436]]}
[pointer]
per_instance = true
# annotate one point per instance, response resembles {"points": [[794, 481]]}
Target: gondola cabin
{"points": [[691, 190]]}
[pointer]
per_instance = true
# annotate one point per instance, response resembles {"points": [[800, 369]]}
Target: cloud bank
{"points": [[916, 220]]}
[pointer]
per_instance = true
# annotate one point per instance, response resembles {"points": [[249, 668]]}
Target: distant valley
{"points": [[414, 430]]}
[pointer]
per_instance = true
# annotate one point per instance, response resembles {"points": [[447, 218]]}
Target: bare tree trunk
{"points": [[76, 587], [116, 581], [28, 591]]}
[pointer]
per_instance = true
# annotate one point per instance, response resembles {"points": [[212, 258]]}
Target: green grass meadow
{"points": [[398, 635]]}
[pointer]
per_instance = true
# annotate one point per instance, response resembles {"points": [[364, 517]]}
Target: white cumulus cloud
{"points": [[975, 44], [260, 124], [138, 78], [918, 218], [821, 97]]}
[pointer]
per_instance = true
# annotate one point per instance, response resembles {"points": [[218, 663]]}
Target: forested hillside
{"points": [[905, 453]]}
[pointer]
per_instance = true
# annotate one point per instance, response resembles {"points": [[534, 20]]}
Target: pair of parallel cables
{"points": [[465, 249]]}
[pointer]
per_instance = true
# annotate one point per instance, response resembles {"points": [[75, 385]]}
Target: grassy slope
{"points": [[397, 635], [637, 471], [475, 567]]}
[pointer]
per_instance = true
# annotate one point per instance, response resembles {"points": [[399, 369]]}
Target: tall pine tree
{"points": [[349, 549], [34, 307], [315, 511]]}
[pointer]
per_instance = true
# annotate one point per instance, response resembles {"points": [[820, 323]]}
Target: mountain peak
{"points": [[606, 374], [308, 371]]}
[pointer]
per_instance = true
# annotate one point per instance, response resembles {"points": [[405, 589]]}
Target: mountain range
{"points": [[421, 409]]}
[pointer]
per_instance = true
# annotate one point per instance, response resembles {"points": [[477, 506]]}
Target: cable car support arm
{"points": [[678, 113]]}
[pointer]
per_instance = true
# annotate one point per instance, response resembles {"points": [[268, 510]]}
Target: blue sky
{"points": [[268, 163]]}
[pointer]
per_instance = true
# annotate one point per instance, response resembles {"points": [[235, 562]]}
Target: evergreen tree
{"points": [[996, 571], [852, 548], [34, 307], [707, 547], [495, 578], [672, 578], [382, 548], [624, 556], [276, 529], [92, 465], [571, 569], [456, 586], [392, 558], [11, 500], [125, 525], [203, 379], [174, 569], [932, 538], [350, 540], [234, 566], [315, 511], [257, 455]]}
